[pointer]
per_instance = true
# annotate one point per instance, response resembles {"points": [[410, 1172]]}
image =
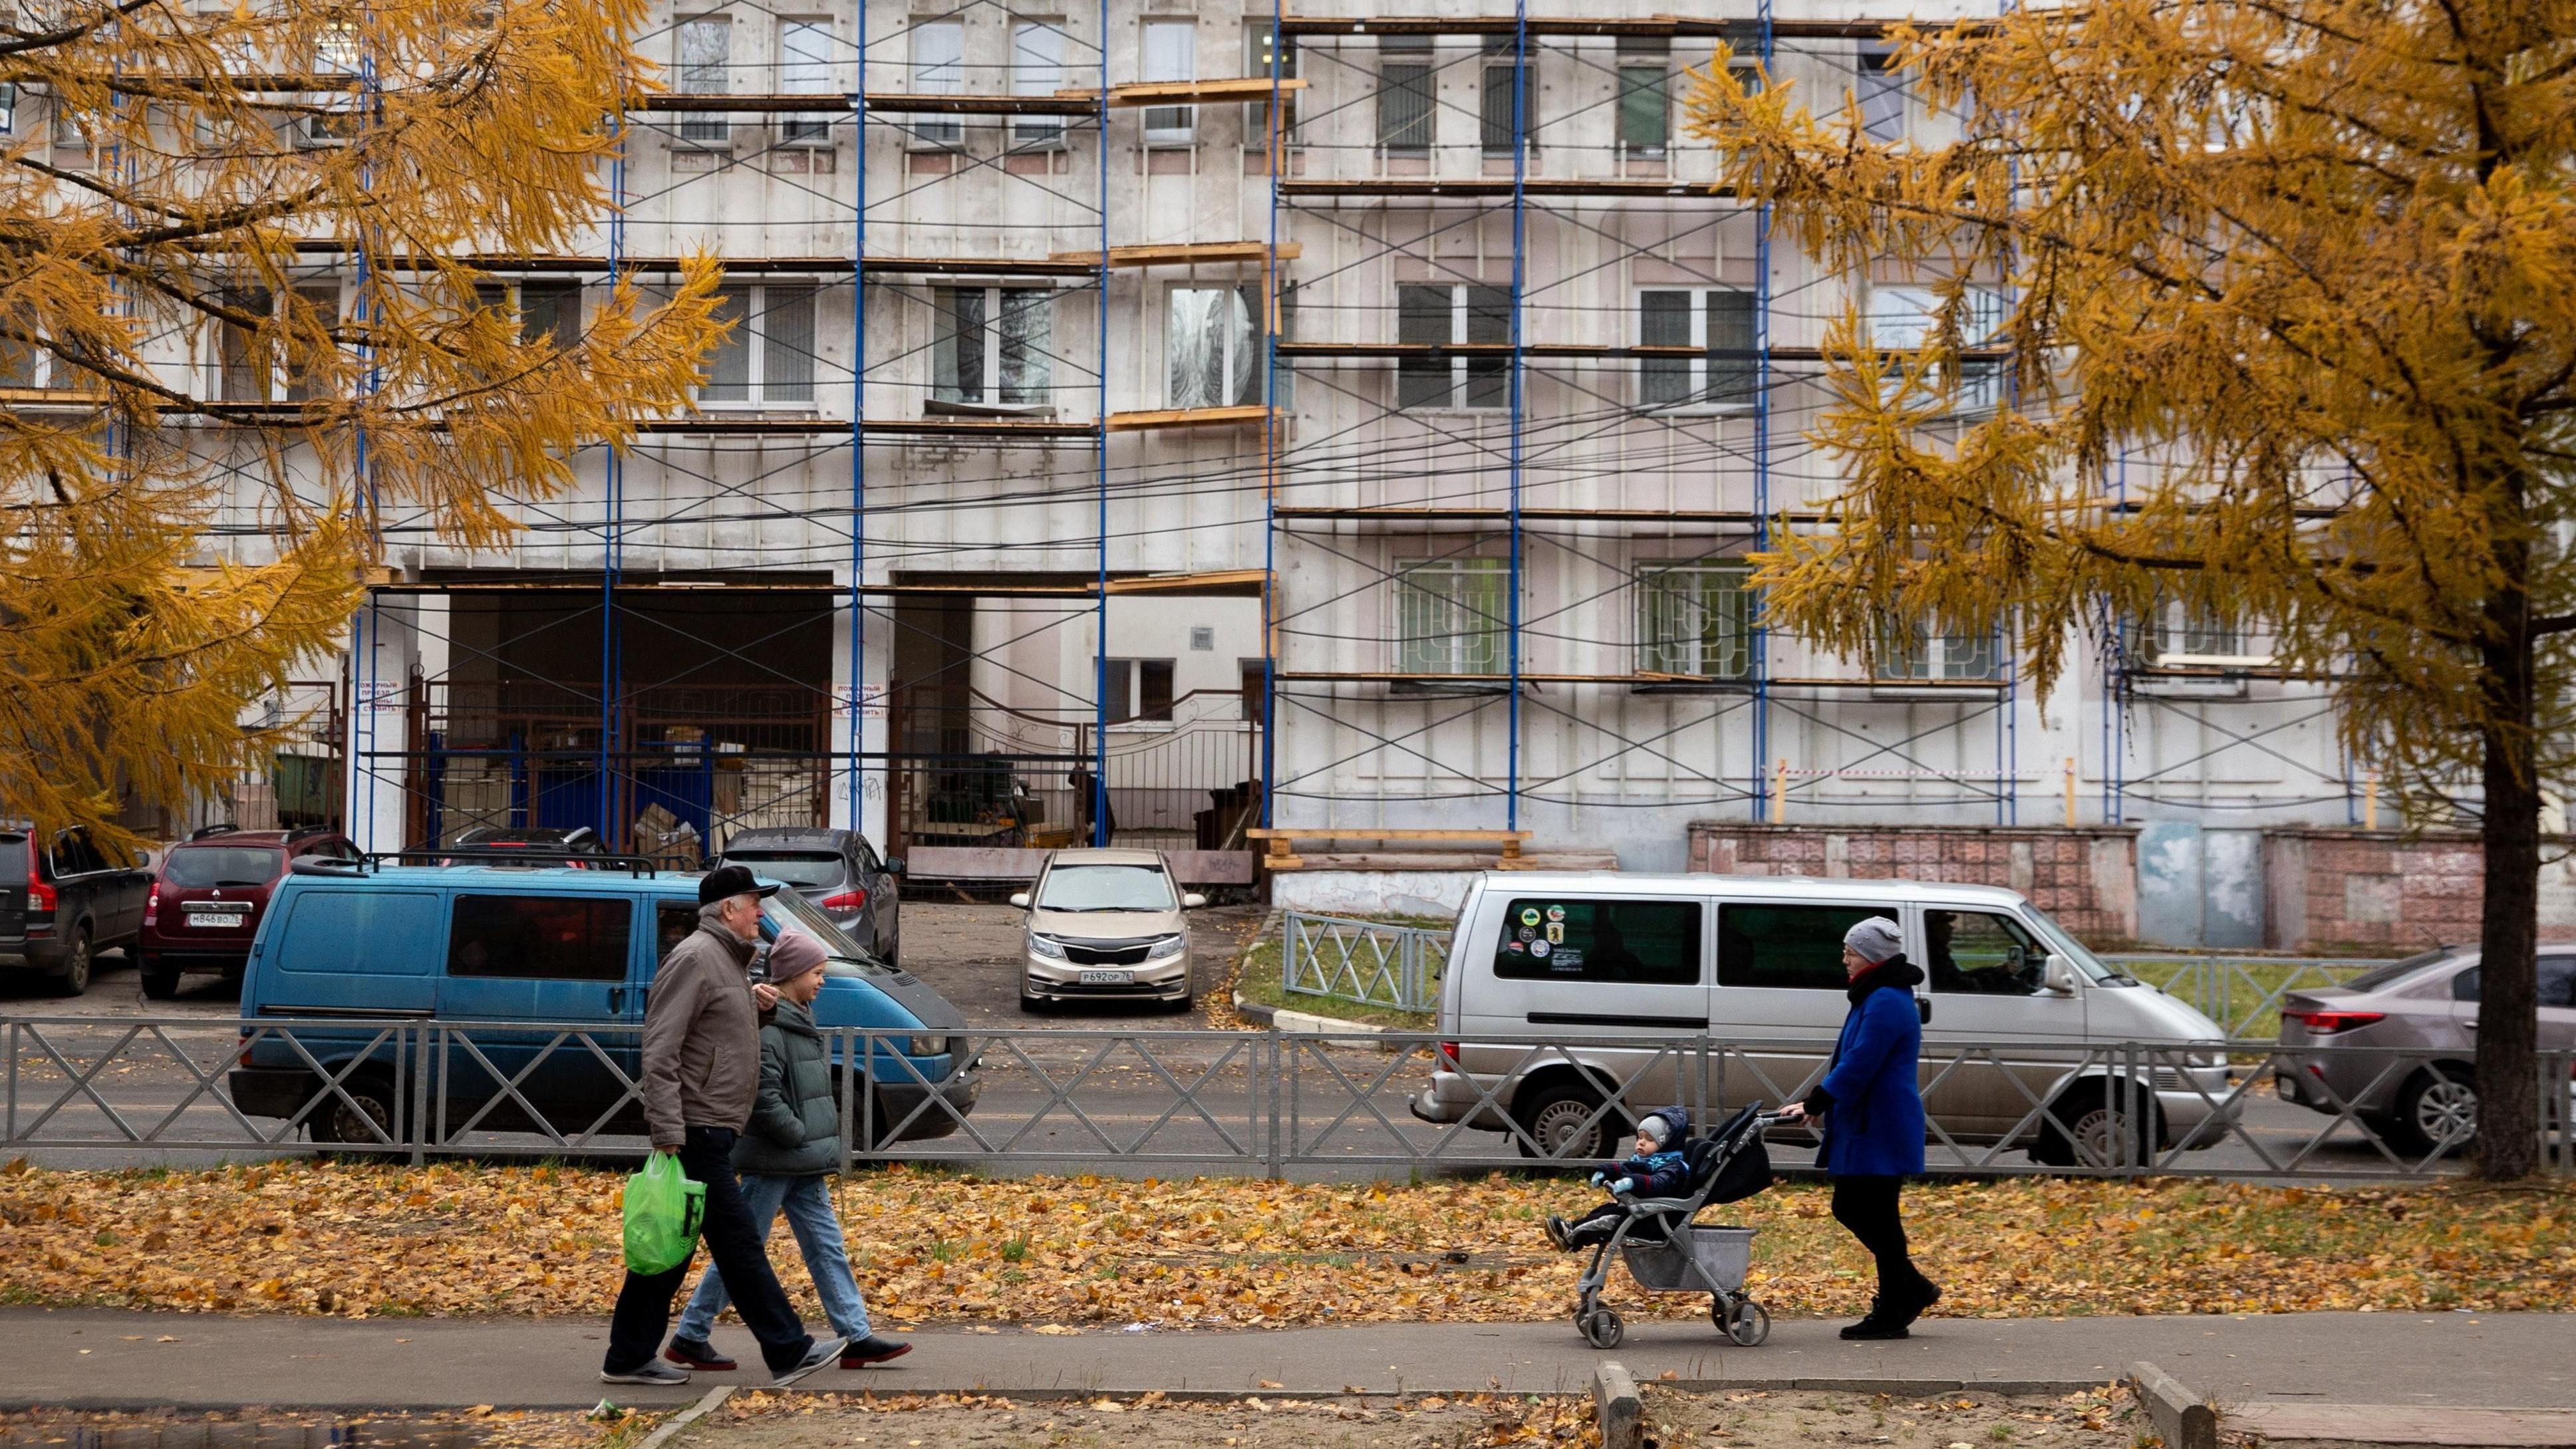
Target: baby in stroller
{"points": [[1658, 1168]]}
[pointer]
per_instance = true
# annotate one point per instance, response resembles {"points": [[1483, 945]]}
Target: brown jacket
{"points": [[701, 1037]]}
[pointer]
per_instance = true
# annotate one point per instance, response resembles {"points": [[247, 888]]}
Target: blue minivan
{"points": [[483, 947]]}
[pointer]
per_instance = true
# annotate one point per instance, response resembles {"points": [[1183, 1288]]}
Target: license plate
{"points": [[1108, 978], [218, 919]]}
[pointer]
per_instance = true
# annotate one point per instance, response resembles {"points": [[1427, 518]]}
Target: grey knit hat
{"points": [[1875, 939], [1657, 1126]]}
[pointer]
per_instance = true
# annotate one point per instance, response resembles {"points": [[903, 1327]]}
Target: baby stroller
{"points": [[1668, 1252]]}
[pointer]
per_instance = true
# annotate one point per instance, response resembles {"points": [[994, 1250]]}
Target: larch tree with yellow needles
{"points": [[2309, 271], [237, 288]]}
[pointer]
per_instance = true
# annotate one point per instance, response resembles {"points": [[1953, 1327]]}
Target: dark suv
{"points": [[835, 869], [209, 895], [62, 904]]}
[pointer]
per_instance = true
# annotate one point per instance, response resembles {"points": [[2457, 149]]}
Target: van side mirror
{"points": [[1020, 899], [2059, 977], [1192, 900]]}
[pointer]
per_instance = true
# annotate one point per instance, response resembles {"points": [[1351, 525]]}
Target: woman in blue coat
{"points": [[1871, 1103]]}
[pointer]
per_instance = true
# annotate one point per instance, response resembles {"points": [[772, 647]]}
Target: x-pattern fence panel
{"points": [[1264, 1102], [2241, 993], [1369, 963]]}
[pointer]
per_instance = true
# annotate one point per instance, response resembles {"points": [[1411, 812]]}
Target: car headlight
{"points": [[1046, 946], [1167, 947], [926, 1046]]}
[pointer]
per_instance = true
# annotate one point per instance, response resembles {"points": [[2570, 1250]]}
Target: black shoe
{"points": [[653, 1371], [695, 1353], [872, 1350], [1556, 1234], [1909, 1307], [1876, 1325]]}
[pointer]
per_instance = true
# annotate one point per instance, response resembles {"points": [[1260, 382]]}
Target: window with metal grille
{"points": [[768, 357], [705, 46], [1404, 95], [1695, 619], [1445, 316], [1716, 327], [991, 348], [1452, 615], [1494, 119], [805, 69], [1927, 653]]}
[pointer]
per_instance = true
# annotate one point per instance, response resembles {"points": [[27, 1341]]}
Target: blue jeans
{"points": [[808, 1203]]}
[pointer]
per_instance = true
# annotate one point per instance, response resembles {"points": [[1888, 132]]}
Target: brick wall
{"points": [[2086, 877], [2329, 889]]}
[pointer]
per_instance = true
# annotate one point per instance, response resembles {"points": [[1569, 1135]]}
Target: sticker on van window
{"points": [[1556, 933], [1539, 949], [1526, 933], [1567, 958], [1556, 913], [1529, 915], [1515, 947]]}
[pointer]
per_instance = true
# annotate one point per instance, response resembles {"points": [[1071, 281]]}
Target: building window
{"points": [[1256, 62], [1494, 119], [1037, 69], [1140, 692], [2178, 633], [277, 362], [990, 348], [1879, 90], [1404, 95], [1717, 327], [938, 69], [805, 69], [1202, 639], [1452, 615], [1695, 619], [1213, 347], [1645, 70], [1171, 54], [767, 360], [1923, 653], [1905, 318], [1252, 677], [1444, 317], [705, 45], [543, 311]]}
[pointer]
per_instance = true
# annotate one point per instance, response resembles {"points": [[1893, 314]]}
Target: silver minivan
{"points": [[2016, 1012]]}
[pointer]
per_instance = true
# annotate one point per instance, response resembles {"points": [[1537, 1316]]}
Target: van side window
{"points": [[551, 938], [1981, 953], [1793, 946], [1644, 942], [672, 923]]}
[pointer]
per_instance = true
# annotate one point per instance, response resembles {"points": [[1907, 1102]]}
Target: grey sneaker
{"points": [[825, 1351], [651, 1371]]}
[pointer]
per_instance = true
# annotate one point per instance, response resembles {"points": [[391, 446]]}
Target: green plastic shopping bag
{"points": [[664, 1210]]}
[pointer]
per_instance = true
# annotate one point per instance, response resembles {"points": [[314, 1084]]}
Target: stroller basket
{"points": [[1696, 1260]]}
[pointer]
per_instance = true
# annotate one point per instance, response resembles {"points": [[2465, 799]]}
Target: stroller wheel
{"points": [[1749, 1323], [1603, 1329]]}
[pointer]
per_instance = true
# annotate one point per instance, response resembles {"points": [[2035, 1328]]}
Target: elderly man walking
{"points": [[1871, 1101], [701, 1073]]}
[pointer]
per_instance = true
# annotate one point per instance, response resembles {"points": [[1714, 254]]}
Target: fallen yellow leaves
{"points": [[1073, 1254]]}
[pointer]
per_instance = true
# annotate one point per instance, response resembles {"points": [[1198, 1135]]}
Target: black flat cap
{"points": [[727, 881]]}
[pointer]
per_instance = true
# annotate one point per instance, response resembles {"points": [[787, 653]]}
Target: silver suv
{"points": [[2421, 1093]]}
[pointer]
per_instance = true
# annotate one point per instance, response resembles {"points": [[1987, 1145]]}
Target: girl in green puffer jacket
{"points": [[786, 1156]]}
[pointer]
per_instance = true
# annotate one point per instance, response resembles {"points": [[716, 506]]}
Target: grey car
{"points": [[835, 869], [2419, 1091]]}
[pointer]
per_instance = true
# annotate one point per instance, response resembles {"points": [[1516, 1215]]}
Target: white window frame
{"points": [[1464, 374], [1452, 616], [1673, 625], [1636, 55], [1122, 710], [702, 73], [754, 340], [1239, 350], [937, 47], [1881, 98], [1701, 370], [1924, 654], [1256, 64], [991, 379], [1037, 70], [805, 70], [1900, 318], [1176, 58]]}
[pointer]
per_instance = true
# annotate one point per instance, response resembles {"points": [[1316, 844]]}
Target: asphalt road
{"points": [[1108, 1087]]}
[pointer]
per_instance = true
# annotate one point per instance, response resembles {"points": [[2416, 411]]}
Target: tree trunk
{"points": [[2508, 1019]]}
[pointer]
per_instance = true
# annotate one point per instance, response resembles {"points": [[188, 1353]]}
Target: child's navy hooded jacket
{"points": [[1658, 1174]]}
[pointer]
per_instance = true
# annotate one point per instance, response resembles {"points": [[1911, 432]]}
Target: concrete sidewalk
{"points": [[103, 1358]]}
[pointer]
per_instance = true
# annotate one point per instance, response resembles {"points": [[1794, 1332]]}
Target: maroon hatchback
{"points": [[209, 894]]}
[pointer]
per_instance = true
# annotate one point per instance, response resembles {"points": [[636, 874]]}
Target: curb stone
{"points": [[2182, 1418], [1615, 1407], [669, 1428]]}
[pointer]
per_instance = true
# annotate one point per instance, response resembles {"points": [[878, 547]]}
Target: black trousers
{"points": [[1867, 1207], [735, 1242]]}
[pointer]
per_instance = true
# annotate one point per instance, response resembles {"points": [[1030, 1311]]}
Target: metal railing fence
{"points": [[1266, 1102], [2240, 993], [1369, 963]]}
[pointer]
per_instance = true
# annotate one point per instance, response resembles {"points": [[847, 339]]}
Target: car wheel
{"points": [[1034, 1005], [1182, 1006], [2437, 1112], [160, 983], [74, 977], [1559, 1120], [2089, 1129], [364, 1119]]}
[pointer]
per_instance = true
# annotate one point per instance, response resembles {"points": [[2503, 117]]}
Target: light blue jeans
{"points": [[808, 1204]]}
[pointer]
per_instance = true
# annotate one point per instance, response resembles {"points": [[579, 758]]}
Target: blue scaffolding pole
{"points": [[1100, 467], [854, 699], [1760, 634], [1520, 230]]}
